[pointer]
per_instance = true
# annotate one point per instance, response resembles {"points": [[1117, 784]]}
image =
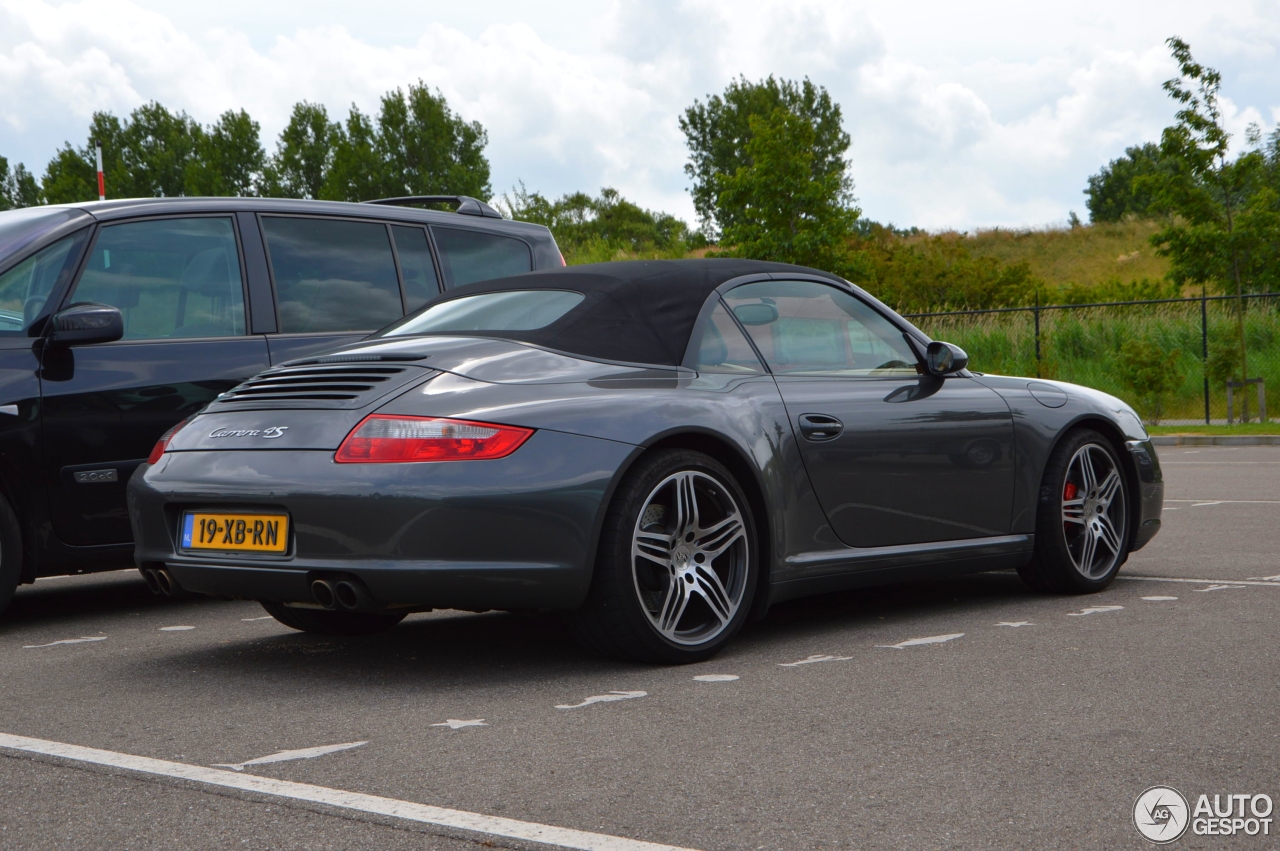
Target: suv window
{"points": [[26, 287], [169, 277], [468, 256], [416, 266], [332, 274], [807, 328]]}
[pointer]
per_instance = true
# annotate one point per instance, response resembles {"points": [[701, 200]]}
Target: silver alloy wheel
{"points": [[689, 557], [1093, 511]]}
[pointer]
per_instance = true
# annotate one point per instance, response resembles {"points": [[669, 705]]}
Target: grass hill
{"points": [[1096, 255]]}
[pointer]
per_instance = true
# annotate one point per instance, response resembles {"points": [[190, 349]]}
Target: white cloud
{"points": [[960, 116]]}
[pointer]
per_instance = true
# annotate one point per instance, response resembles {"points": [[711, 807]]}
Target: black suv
{"points": [[121, 318]]}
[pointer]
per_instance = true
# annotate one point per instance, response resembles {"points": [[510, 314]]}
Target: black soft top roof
{"points": [[637, 311]]}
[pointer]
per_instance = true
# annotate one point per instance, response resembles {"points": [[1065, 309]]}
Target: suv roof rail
{"points": [[467, 205]]}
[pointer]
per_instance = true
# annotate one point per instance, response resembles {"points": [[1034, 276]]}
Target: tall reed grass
{"points": [[1083, 346]]}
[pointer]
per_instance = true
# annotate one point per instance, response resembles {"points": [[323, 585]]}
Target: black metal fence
{"points": [[1085, 344]]}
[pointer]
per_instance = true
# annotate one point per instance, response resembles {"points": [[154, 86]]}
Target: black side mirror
{"points": [[83, 324], [945, 358]]}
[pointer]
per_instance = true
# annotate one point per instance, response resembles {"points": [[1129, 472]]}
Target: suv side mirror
{"points": [[82, 324], [945, 358]]}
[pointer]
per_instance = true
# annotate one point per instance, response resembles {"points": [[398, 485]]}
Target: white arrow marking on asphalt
{"points": [[1015, 623], [455, 724], [65, 641], [1159, 599], [604, 698], [818, 657], [285, 756], [175, 628], [715, 678], [1217, 588], [915, 642], [1094, 610], [1275, 578]]}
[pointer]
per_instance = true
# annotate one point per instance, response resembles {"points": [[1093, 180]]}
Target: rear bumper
{"points": [[518, 532]]}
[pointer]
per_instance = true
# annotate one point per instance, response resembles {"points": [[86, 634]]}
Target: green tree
{"points": [[355, 173], [604, 228], [719, 131], [782, 204], [417, 147], [1227, 225], [427, 150], [304, 154], [147, 155], [229, 158], [18, 187], [1116, 190]]}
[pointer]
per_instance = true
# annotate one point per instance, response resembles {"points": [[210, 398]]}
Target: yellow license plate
{"points": [[251, 533]]}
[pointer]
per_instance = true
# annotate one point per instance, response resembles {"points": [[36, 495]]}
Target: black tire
{"points": [[1062, 544], [631, 597], [10, 553], [326, 622]]}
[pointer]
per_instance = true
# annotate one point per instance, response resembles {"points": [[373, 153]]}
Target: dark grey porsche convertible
{"points": [[662, 448]]}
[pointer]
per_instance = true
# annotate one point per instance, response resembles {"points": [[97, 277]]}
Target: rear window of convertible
{"points": [[509, 310]]}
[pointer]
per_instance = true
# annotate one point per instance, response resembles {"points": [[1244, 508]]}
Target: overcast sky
{"points": [[962, 114]]}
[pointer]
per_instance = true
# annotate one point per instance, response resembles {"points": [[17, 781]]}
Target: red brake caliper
{"points": [[1070, 491]]}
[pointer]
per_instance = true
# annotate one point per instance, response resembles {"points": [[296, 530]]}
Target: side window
{"points": [[25, 288], [416, 266], [170, 278], [469, 256], [723, 348], [332, 274], [807, 328]]}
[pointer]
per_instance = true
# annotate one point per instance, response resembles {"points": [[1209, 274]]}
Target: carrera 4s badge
{"points": [[268, 432]]}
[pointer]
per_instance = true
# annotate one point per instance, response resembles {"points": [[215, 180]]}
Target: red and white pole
{"points": [[102, 182]]}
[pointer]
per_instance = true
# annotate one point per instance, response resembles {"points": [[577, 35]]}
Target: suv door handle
{"points": [[819, 427]]}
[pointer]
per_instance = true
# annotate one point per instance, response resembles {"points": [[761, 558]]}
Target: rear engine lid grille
{"points": [[319, 385]]}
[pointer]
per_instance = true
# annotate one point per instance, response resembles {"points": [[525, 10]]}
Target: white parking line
{"points": [[1230, 501], [1200, 581], [560, 837]]}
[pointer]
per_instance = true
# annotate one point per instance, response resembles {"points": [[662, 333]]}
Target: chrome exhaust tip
{"points": [[323, 593], [153, 584]]}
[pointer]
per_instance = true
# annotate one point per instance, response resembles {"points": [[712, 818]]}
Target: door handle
{"points": [[819, 427]]}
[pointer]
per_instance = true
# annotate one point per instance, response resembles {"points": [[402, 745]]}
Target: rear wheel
{"points": [[326, 622], [10, 553], [676, 568], [1082, 519]]}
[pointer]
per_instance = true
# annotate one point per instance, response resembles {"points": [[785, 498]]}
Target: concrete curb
{"points": [[1216, 440]]}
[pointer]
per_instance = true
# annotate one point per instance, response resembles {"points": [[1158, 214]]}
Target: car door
{"points": [[337, 280], [895, 456], [178, 283]]}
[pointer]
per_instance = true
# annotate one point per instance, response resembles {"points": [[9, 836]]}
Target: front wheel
{"points": [[677, 563], [327, 622], [1082, 518]]}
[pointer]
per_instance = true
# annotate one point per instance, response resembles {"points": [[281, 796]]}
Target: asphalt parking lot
{"points": [[1027, 721]]}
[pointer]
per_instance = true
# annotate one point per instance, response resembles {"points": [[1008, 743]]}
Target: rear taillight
{"points": [[162, 445], [385, 438]]}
